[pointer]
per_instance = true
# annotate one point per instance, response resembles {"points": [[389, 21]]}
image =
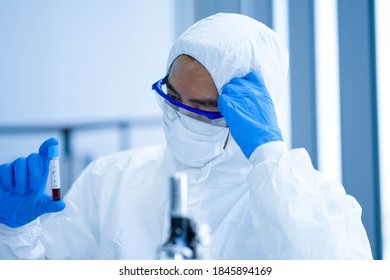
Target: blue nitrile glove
{"points": [[23, 195], [249, 112]]}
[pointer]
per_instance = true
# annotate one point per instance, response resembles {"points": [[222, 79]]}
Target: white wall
{"points": [[81, 60], [68, 62]]}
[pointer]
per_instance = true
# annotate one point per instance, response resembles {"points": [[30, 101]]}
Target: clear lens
{"points": [[193, 122], [216, 122], [199, 121], [198, 126], [168, 110]]}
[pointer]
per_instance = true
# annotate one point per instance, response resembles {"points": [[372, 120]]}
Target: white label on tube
{"points": [[55, 173]]}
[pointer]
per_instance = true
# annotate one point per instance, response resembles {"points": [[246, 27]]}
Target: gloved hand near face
{"points": [[23, 195], [249, 111]]}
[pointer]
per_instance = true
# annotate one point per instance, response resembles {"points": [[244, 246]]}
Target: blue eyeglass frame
{"points": [[157, 86]]}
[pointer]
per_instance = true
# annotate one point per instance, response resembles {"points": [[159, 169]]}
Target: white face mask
{"points": [[193, 142]]}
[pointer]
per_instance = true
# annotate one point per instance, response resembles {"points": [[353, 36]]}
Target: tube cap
{"points": [[54, 151]]}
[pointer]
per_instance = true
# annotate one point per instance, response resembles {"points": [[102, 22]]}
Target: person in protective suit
{"points": [[220, 95]]}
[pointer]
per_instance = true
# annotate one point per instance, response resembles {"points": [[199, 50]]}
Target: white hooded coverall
{"points": [[273, 206]]}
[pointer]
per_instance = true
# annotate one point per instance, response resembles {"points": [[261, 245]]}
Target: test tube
{"points": [[54, 156]]}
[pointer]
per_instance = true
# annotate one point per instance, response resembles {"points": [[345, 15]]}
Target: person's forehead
{"points": [[189, 70], [189, 76], [188, 65]]}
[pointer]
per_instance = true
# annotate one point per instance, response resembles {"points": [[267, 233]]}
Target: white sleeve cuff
{"points": [[10, 231], [268, 151], [21, 242]]}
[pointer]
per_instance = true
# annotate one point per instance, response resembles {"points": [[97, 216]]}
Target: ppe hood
{"points": [[232, 45]]}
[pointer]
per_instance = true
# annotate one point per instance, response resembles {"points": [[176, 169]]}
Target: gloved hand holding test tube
{"points": [[23, 196]]}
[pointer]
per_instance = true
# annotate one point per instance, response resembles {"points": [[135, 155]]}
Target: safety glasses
{"points": [[213, 118]]}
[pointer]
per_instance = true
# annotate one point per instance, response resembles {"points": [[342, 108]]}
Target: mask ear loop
{"points": [[227, 139]]}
